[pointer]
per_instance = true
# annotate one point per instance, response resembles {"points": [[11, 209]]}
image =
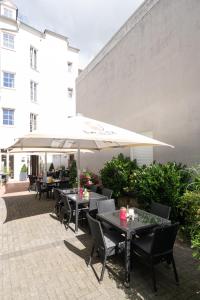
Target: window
{"points": [[33, 122], [8, 80], [8, 116], [33, 58], [8, 13], [69, 65], [70, 92], [33, 91], [8, 40]]}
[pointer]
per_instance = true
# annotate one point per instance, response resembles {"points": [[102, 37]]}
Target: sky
{"points": [[89, 24]]}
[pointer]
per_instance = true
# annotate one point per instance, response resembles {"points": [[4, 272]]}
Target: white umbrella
{"points": [[79, 132], [45, 151], [49, 150]]}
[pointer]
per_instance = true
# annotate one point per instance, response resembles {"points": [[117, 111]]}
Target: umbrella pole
{"points": [[78, 166], [45, 167]]}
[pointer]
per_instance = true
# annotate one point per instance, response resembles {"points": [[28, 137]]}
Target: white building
{"points": [[37, 81]]}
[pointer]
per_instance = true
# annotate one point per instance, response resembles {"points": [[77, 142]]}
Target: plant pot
{"points": [[22, 176]]}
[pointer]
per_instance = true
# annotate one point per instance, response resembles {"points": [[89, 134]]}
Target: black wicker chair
{"points": [[106, 244], [59, 202], [92, 208], [157, 247], [32, 182], [107, 205], [42, 189], [160, 210], [107, 192], [67, 210]]}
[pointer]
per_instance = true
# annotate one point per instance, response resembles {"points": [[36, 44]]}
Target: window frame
{"points": [[69, 66], [33, 57], [10, 118], [70, 93], [33, 122], [7, 43], [9, 13], [12, 81], [33, 91]]}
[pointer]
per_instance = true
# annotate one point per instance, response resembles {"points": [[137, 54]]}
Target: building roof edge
{"points": [[134, 19]]}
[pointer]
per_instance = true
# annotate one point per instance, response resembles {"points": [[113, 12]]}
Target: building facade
{"points": [[146, 79], [37, 86]]}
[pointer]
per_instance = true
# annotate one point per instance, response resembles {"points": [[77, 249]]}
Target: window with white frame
{"points": [[70, 92], [33, 58], [8, 80], [8, 40], [69, 66], [8, 116], [33, 91], [8, 12], [33, 122]]}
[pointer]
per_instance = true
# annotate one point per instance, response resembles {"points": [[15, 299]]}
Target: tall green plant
{"points": [[116, 173], [189, 207], [73, 174], [51, 168]]}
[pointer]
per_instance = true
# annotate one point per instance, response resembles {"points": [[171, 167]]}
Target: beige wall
{"points": [[148, 78]]}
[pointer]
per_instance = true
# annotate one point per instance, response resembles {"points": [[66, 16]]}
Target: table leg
{"points": [[127, 260], [76, 218]]}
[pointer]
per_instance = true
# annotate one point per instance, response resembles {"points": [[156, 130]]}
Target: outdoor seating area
{"points": [[54, 262]]}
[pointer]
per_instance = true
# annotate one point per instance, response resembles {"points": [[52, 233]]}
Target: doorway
{"points": [[34, 165]]}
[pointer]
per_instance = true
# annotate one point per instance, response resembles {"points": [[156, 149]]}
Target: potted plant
{"points": [[23, 173]]}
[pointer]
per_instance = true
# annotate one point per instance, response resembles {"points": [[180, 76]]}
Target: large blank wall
{"points": [[150, 81]]}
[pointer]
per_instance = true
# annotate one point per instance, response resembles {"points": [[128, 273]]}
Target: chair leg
{"points": [[153, 277], [103, 268], [66, 224], [91, 256], [175, 271]]}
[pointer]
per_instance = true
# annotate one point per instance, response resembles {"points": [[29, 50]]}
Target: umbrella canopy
{"points": [[80, 132], [47, 150], [85, 133]]}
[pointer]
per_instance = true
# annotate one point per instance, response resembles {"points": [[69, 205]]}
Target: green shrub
{"points": [[163, 183], [189, 207], [195, 241], [194, 184], [116, 173]]}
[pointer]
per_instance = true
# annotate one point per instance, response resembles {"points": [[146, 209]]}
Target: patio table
{"points": [[129, 227], [78, 200]]}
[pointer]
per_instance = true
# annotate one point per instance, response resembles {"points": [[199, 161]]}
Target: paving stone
{"points": [[40, 259]]}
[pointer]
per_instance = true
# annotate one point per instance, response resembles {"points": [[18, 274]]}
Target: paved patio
{"points": [[41, 260]]}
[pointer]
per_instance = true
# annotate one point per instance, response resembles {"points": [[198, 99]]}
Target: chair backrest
{"points": [[96, 232], [64, 184], [57, 195], [32, 179], [93, 203], [107, 192], [164, 238], [107, 205], [160, 210], [38, 186], [67, 205]]}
